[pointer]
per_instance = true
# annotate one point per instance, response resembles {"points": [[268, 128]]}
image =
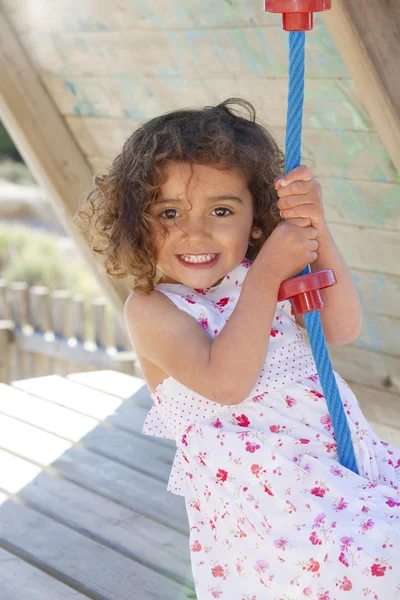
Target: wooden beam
{"points": [[48, 149], [367, 34]]}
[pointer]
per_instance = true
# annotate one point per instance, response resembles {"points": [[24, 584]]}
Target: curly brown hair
{"points": [[119, 204]]}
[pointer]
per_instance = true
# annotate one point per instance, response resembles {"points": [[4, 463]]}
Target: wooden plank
{"points": [[341, 160], [127, 416], [108, 478], [368, 248], [380, 334], [70, 394], [372, 369], [19, 579], [368, 203], [124, 386], [48, 148], [63, 353], [84, 564], [379, 292], [126, 15], [236, 51], [107, 522], [133, 451], [328, 102], [367, 36]]}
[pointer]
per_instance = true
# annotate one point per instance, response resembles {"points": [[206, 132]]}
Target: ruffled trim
{"points": [[154, 424], [180, 471]]}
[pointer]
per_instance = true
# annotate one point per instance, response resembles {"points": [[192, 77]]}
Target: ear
{"points": [[256, 233]]}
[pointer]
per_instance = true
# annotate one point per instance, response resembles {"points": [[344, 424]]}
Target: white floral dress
{"points": [[272, 513]]}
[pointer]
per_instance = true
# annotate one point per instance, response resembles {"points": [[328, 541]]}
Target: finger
{"points": [[297, 188], [311, 232], [301, 173], [304, 211], [301, 222], [289, 202]]}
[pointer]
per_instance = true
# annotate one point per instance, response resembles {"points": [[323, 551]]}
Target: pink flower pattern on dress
{"points": [[272, 513]]}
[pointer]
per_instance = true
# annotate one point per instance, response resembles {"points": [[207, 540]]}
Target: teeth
{"points": [[200, 258]]}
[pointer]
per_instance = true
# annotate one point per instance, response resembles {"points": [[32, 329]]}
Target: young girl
{"points": [[197, 210]]}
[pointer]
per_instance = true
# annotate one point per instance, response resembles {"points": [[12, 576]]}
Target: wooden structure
{"points": [[43, 333], [74, 83], [84, 510]]}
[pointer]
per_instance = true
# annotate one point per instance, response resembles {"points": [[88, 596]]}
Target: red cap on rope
{"points": [[297, 14], [304, 290]]}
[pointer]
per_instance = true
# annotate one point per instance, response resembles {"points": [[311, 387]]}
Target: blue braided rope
{"points": [[312, 319]]}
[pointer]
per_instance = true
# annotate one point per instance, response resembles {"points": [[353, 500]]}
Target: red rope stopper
{"points": [[304, 290], [297, 15]]}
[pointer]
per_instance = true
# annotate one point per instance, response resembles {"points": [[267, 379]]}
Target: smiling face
{"points": [[198, 222]]}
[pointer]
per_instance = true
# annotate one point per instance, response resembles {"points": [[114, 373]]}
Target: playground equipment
{"points": [[304, 290]]}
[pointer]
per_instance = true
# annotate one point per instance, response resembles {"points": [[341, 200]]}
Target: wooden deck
{"points": [[84, 510]]}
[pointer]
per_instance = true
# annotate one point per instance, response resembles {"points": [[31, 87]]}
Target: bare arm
{"points": [[239, 351], [342, 314], [223, 370]]}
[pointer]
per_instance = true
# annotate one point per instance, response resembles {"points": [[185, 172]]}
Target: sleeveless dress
{"points": [[272, 513]]}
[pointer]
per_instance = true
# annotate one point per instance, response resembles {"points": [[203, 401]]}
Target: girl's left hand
{"points": [[300, 198]]}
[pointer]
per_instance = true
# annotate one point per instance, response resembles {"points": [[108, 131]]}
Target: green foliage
{"points": [[15, 171], [6, 144], [38, 258]]}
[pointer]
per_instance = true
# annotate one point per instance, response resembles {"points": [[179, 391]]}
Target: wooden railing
{"points": [[46, 332]]}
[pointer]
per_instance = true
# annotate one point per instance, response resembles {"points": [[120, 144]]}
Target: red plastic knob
{"points": [[304, 290], [297, 15]]}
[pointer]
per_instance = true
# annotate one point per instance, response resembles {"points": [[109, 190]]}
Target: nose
{"points": [[196, 229]]}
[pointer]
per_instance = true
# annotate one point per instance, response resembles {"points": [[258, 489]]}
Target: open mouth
{"points": [[198, 260]]}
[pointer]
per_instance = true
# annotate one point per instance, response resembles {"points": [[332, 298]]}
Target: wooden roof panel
{"points": [[109, 67]]}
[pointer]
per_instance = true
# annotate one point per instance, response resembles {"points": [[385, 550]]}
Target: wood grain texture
{"points": [[367, 34], [343, 156], [109, 70], [134, 451], [257, 51], [329, 103], [19, 579], [86, 565], [124, 485], [121, 529], [46, 145]]}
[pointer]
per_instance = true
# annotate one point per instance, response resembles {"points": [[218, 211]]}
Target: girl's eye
{"points": [[224, 208], [169, 210]]}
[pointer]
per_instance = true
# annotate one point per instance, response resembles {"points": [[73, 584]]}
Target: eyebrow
{"points": [[223, 197]]}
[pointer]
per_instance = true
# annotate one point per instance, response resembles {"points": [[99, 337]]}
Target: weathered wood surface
{"points": [[19, 579], [368, 36], [48, 148], [108, 70], [83, 501]]}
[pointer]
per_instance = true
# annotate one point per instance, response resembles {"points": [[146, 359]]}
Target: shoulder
{"points": [[146, 316], [139, 305]]}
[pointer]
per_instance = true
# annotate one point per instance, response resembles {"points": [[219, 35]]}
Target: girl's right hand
{"points": [[289, 249]]}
